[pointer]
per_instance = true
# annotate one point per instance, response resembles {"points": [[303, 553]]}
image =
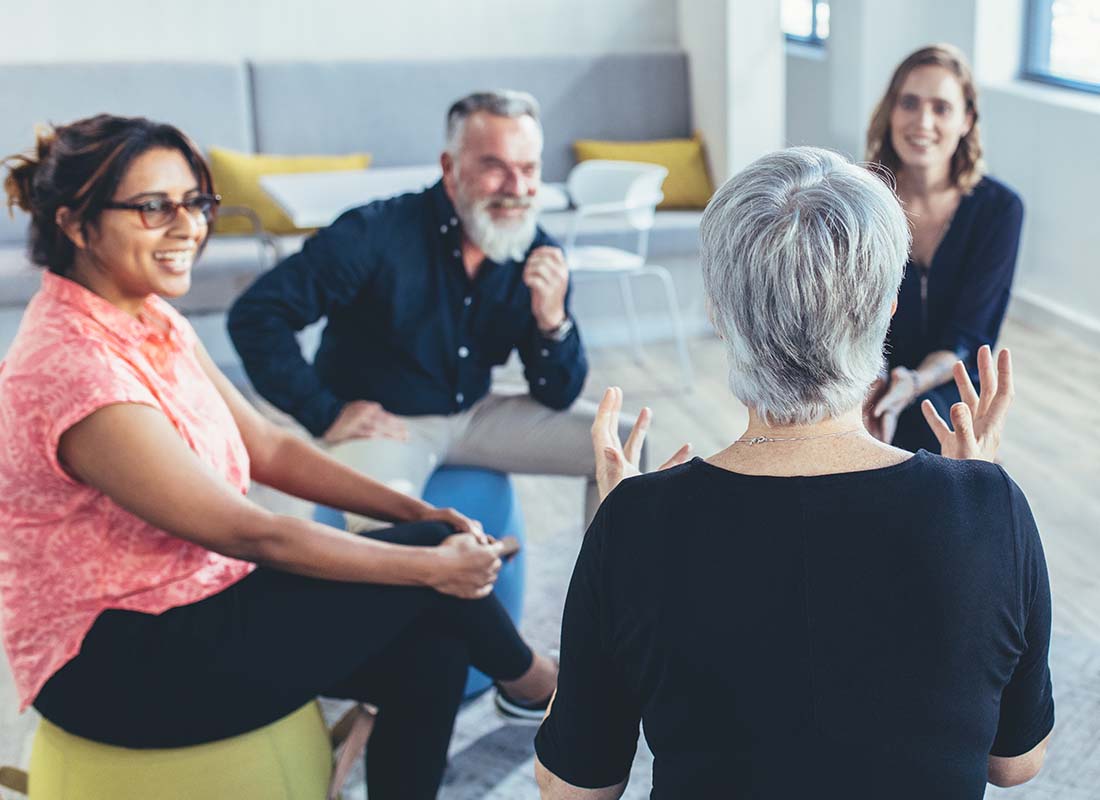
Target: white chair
{"points": [[630, 191]]}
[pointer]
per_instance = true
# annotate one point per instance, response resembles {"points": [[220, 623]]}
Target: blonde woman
{"points": [[966, 230]]}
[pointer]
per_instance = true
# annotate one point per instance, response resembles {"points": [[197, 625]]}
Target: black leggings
{"points": [[270, 643]]}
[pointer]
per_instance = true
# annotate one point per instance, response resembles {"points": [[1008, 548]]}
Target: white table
{"points": [[315, 199]]}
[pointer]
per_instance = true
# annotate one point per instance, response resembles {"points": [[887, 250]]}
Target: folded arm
{"points": [[552, 353], [330, 270]]}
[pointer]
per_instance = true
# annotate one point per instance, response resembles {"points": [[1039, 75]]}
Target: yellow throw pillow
{"points": [[687, 186], [237, 180]]}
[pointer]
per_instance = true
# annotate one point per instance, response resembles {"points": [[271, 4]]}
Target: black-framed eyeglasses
{"points": [[157, 212]]}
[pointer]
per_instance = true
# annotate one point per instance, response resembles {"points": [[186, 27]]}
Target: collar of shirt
{"points": [[444, 209], [152, 324], [450, 226]]}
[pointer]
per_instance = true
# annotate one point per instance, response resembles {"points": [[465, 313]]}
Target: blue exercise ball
{"points": [[489, 497]]}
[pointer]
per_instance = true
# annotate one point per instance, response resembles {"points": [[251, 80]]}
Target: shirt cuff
{"points": [[319, 413], [560, 333]]}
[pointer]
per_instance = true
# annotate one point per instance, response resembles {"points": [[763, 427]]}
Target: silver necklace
{"points": [[764, 439]]}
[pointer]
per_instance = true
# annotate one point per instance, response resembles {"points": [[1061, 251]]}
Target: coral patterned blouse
{"points": [[67, 551]]}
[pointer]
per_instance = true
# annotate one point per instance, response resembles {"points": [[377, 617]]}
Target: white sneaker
{"points": [[518, 712]]}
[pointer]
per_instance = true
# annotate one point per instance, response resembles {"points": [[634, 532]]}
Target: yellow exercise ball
{"points": [[290, 759]]}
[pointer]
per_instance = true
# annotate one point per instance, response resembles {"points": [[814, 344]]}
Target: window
{"points": [[1063, 43], [806, 21]]}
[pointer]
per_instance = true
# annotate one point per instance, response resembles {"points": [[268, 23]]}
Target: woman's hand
{"points": [[465, 567], [886, 401], [615, 461], [978, 421], [460, 522]]}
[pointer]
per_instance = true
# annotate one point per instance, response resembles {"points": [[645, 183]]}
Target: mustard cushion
{"points": [[688, 184], [237, 180], [290, 759]]}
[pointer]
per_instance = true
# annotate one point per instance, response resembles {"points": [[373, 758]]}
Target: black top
{"points": [[968, 281], [863, 635], [406, 326]]}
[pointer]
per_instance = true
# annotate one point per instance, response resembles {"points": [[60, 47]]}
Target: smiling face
{"points": [[929, 118], [123, 261], [493, 181]]}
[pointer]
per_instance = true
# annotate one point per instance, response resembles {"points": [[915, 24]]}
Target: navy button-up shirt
{"points": [[406, 326]]}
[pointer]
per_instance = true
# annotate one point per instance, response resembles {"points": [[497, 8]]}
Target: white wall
{"points": [[807, 97], [1043, 141], [735, 51], [78, 30], [1040, 140]]}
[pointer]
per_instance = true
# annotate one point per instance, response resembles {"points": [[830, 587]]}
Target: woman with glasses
{"points": [[966, 232], [146, 601], [810, 612]]}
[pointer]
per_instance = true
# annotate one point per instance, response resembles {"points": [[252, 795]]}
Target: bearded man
{"points": [[424, 294]]}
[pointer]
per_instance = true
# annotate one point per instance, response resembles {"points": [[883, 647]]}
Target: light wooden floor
{"points": [[1052, 449]]}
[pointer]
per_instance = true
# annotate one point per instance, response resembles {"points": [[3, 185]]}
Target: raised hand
{"points": [[614, 460], [977, 422], [364, 419], [546, 274]]}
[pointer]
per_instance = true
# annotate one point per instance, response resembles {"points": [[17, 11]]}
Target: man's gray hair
{"points": [[498, 102], [803, 253]]}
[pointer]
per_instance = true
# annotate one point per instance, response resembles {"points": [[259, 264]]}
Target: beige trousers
{"points": [[505, 431]]}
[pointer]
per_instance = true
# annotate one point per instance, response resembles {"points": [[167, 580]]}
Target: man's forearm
{"points": [[272, 359]]}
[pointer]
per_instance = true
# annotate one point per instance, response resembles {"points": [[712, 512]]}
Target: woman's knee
{"points": [[418, 534]]}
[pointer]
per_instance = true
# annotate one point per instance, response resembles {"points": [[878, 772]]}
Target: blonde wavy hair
{"points": [[967, 165]]}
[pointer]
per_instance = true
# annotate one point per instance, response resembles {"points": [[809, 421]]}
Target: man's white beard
{"points": [[499, 241]]}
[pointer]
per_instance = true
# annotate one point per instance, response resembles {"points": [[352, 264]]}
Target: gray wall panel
{"points": [[209, 101], [395, 110]]}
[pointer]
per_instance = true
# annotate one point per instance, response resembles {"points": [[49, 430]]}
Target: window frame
{"points": [[813, 40], [1036, 50]]}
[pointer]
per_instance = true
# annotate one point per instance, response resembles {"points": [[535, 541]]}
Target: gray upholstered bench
{"points": [[394, 110]]}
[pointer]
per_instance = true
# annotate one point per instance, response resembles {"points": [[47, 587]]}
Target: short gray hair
{"points": [[803, 253], [498, 102]]}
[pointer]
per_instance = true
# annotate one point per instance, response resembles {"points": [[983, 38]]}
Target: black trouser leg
{"points": [[257, 651], [417, 686]]}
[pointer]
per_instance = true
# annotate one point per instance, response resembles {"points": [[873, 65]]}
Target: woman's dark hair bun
{"points": [[77, 167], [19, 182]]}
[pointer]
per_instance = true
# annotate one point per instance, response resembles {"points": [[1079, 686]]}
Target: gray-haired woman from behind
{"points": [[809, 612]]}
